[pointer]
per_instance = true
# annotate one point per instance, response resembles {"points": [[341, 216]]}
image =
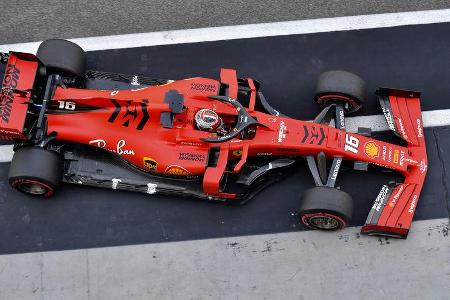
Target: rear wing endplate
{"points": [[18, 75]]}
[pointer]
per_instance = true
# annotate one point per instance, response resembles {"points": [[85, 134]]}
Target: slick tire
{"points": [[63, 57], [35, 171], [340, 86], [326, 208]]}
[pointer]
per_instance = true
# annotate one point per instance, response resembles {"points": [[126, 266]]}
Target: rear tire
{"points": [[326, 208], [35, 171], [63, 57], [341, 86]]}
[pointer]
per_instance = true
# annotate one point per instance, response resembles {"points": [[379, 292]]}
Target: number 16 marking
{"points": [[351, 144]]}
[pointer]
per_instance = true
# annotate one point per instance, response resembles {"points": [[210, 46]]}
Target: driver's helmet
{"points": [[208, 120]]}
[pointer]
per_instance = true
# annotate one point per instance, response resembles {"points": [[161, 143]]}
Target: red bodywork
{"points": [[127, 122], [17, 83]]}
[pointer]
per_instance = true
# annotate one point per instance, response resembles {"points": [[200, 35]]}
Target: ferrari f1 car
{"points": [[218, 140]]}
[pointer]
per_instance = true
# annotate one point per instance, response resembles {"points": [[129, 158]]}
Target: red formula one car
{"points": [[218, 140]]}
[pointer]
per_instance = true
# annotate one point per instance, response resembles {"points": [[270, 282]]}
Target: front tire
{"points": [[326, 208], [343, 87], [35, 171]]}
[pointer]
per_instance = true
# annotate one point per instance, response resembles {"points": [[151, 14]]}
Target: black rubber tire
{"points": [[35, 165], [325, 203], [349, 87], [63, 57]]}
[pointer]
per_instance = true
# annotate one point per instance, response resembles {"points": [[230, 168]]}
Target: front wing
{"points": [[393, 210]]}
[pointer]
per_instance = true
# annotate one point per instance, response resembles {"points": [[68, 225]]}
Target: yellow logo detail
{"points": [[150, 163], [237, 153], [371, 149], [396, 154], [177, 171]]}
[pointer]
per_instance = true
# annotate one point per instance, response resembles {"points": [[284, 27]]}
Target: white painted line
{"points": [[249, 31], [274, 266], [6, 153], [432, 118]]}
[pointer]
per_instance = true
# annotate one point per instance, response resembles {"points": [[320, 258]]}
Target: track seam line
{"points": [[444, 171], [247, 31]]}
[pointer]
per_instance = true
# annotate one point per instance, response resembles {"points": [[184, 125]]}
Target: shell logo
{"points": [[371, 149], [177, 171]]}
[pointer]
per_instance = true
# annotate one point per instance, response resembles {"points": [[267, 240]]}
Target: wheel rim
{"points": [[33, 188], [351, 104], [324, 222]]}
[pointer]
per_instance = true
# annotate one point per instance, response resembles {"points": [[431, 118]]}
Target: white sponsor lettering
{"points": [[402, 158], [67, 105], [389, 120], [120, 147], [341, 118], [98, 143], [419, 129], [383, 156], [115, 183], [423, 166], [119, 150], [282, 132], [191, 143], [336, 169], [379, 201], [413, 204], [264, 154], [396, 196], [411, 161], [139, 89], [402, 129], [135, 80], [151, 188]]}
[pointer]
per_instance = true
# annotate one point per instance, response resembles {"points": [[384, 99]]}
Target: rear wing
{"points": [[18, 71], [393, 210]]}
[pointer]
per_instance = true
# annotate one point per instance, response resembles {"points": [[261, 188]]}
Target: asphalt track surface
{"points": [[26, 21], [413, 57]]}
